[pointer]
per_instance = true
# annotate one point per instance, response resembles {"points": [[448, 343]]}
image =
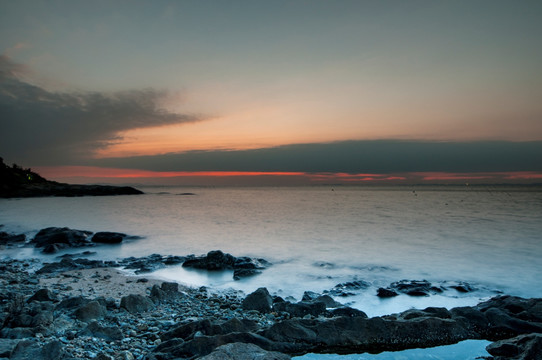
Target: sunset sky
{"points": [[285, 92]]}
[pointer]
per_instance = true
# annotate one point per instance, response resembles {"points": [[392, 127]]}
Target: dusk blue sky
{"points": [[110, 83]]}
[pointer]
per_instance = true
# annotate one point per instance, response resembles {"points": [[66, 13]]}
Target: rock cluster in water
{"points": [[165, 321]]}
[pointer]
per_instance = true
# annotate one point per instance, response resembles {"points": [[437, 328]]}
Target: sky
{"points": [[278, 92]]}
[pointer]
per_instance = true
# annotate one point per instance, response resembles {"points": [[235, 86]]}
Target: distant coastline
{"points": [[16, 181]]}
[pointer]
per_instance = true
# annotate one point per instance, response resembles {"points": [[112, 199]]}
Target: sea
{"points": [[486, 237]]}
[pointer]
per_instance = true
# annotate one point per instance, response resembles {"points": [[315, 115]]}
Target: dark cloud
{"points": [[382, 157], [41, 127]]}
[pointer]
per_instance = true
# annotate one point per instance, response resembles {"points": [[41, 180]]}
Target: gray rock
{"points": [[107, 237], [109, 333], [91, 311], [523, 347], [301, 309], [42, 295], [136, 303], [7, 346], [61, 237], [242, 351], [259, 300], [30, 349]]}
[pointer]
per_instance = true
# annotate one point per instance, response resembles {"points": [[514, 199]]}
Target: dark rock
{"points": [[216, 260], [109, 333], [9, 239], [242, 351], [523, 347], [17, 333], [259, 300], [61, 237], [30, 349], [7, 346], [301, 309], [328, 301], [42, 295], [150, 263], [348, 312], [204, 345], [309, 296], [345, 289], [238, 274], [91, 311], [385, 293], [207, 328], [43, 319], [106, 237], [72, 303], [136, 303], [68, 264], [415, 287], [170, 287]]}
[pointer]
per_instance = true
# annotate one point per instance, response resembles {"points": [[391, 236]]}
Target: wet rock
{"points": [[106, 237], [206, 327], [347, 288], [238, 274], [259, 300], [10, 239], [42, 295], [217, 260], [415, 287], [348, 312], [328, 301], [523, 347], [242, 351], [302, 308], [68, 264], [150, 263], [90, 311], [214, 260], [72, 303], [136, 303], [61, 238], [385, 293]]}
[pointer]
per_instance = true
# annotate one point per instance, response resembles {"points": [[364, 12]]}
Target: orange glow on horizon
{"points": [[90, 172]]}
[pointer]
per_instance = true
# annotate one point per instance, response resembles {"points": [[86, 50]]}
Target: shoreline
{"points": [[106, 313]]}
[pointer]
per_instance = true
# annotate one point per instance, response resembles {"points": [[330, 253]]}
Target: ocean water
{"points": [[318, 237]]}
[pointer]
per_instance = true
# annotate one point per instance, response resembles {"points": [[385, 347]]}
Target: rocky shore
{"points": [[80, 308], [103, 313]]}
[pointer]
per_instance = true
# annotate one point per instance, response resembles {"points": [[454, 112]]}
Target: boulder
{"points": [[9, 239], [31, 349], [347, 288], [217, 260], [106, 237], [348, 312], [415, 287], [61, 238], [259, 300], [385, 293], [301, 309], [7, 346], [136, 303], [91, 311], [109, 333], [242, 351], [523, 347], [214, 260], [42, 295]]}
